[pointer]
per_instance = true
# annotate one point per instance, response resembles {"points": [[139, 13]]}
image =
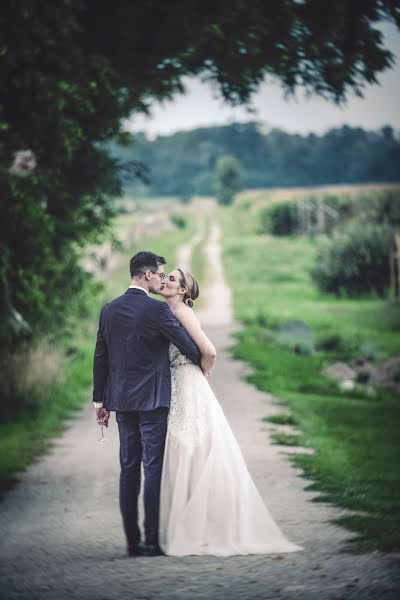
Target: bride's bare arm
{"points": [[190, 322]]}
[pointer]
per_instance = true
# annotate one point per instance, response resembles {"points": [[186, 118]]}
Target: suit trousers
{"points": [[142, 438]]}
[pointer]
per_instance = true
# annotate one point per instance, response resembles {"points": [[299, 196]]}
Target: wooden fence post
{"points": [[321, 213], [316, 218]]}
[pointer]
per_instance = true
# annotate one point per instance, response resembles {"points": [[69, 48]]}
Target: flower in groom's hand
{"points": [[102, 416]]}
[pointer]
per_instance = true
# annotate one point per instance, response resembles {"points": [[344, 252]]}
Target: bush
{"points": [[227, 179], [363, 377], [380, 207], [338, 345], [281, 219], [334, 200], [383, 208], [178, 221], [355, 261]]}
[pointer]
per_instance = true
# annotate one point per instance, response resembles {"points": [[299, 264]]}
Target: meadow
{"points": [[290, 333]]}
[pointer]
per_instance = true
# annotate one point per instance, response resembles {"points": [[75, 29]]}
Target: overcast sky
{"points": [[201, 107]]}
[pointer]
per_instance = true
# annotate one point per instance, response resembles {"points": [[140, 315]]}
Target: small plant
{"points": [[178, 221], [362, 377], [321, 387], [281, 419], [287, 439], [391, 368], [281, 219], [332, 342], [264, 320], [337, 344], [395, 372]]}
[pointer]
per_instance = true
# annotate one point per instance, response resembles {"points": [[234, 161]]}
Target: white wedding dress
{"points": [[209, 503]]}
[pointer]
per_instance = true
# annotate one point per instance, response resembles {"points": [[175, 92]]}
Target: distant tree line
{"points": [[184, 163]]}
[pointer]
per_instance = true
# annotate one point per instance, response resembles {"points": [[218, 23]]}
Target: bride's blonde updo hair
{"points": [[189, 282]]}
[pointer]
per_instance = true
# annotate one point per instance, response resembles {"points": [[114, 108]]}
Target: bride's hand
{"points": [[207, 365]]}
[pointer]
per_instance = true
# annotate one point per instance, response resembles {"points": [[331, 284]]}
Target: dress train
{"points": [[209, 502]]}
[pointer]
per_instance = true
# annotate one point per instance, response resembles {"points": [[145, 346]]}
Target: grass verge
{"points": [[281, 419], [198, 263], [287, 439], [29, 433], [354, 433]]}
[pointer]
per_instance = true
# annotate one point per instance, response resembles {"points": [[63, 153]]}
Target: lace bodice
{"points": [[186, 423], [176, 358]]}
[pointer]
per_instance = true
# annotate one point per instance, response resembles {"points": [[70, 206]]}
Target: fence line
{"points": [[316, 217]]}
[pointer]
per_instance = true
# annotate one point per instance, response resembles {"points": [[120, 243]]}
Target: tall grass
{"points": [[51, 389]]}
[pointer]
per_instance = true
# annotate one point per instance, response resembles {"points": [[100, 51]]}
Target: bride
{"points": [[209, 502]]}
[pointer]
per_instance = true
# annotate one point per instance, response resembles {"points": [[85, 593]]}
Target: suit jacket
{"points": [[131, 364]]}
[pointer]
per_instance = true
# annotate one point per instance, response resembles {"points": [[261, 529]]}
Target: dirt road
{"points": [[61, 533]]}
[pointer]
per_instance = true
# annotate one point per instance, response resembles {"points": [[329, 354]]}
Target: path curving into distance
{"points": [[60, 528]]}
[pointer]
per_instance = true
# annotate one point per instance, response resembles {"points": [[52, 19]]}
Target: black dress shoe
{"points": [[134, 551], [149, 549]]}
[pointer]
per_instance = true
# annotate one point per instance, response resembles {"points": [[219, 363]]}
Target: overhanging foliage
{"points": [[75, 68]]}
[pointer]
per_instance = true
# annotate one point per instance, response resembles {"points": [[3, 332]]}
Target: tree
{"points": [[227, 179], [277, 158], [75, 68], [355, 261]]}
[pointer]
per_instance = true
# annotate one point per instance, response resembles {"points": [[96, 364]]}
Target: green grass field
{"points": [[354, 434]]}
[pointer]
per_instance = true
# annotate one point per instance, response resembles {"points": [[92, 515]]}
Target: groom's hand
{"points": [[102, 416]]}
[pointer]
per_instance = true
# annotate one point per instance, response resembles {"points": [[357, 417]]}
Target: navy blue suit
{"points": [[132, 377]]}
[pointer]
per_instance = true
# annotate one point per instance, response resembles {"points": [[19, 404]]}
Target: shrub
{"points": [[281, 419], [227, 179], [280, 219], [333, 200], [395, 373], [332, 342], [178, 221], [363, 377], [287, 439], [345, 347], [382, 208], [355, 261]]}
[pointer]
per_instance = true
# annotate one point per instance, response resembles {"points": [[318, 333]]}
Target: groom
{"points": [[132, 377]]}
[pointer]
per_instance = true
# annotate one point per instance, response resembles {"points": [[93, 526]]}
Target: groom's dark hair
{"points": [[143, 261]]}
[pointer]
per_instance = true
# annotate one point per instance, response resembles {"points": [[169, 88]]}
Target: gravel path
{"points": [[61, 533]]}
